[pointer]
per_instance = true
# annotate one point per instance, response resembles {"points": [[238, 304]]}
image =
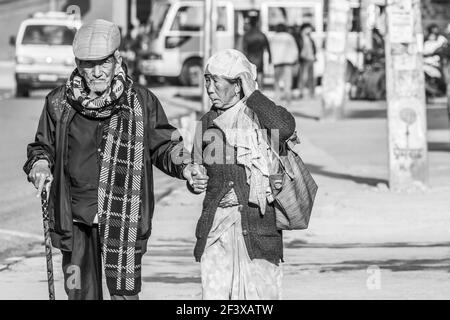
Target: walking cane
{"points": [[48, 245]]}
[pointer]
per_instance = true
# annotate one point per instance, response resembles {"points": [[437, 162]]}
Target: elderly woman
{"points": [[238, 243]]}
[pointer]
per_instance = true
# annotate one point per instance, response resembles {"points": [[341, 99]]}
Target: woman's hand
{"points": [[247, 83], [196, 176]]}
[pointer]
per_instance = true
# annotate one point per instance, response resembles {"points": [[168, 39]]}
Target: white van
{"points": [[44, 57]]}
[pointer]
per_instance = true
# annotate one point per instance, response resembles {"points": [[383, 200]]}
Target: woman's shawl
{"points": [[243, 131]]}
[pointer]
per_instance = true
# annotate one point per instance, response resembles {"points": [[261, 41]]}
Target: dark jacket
{"points": [[162, 148], [254, 44], [299, 39], [262, 239]]}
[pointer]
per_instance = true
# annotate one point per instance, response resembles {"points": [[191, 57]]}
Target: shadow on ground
{"points": [[367, 114], [298, 243], [314, 169], [439, 146], [167, 278], [394, 265]]}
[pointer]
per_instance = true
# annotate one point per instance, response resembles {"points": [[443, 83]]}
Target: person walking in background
{"points": [[446, 66], [434, 64], [284, 57], [238, 243], [96, 142], [254, 44], [307, 57]]}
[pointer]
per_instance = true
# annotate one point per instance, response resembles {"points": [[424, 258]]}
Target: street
{"points": [[364, 242]]}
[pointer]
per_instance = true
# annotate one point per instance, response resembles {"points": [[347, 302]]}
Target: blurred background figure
{"points": [[307, 57], [284, 57], [254, 44], [370, 83], [34, 36], [446, 66], [434, 45]]}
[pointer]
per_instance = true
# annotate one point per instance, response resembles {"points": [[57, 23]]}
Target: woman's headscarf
{"points": [[229, 63]]}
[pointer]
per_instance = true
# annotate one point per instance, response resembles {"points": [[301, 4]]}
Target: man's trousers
{"points": [[82, 267]]}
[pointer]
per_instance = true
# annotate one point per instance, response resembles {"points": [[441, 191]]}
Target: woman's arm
{"points": [[271, 116]]}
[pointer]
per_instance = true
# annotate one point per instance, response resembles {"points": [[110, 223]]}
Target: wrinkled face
{"points": [[222, 92], [98, 74]]}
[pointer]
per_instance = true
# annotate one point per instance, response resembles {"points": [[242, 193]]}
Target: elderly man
{"points": [[97, 139]]}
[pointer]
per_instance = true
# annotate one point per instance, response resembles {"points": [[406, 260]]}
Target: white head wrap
{"points": [[229, 63]]}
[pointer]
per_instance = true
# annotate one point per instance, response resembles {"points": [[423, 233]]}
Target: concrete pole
{"points": [[52, 5], [209, 27], [119, 13], [333, 81], [405, 84]]}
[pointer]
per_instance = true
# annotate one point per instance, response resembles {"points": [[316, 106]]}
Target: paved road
{"points": [[357, 223]]}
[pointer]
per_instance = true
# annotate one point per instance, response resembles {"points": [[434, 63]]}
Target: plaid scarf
{"points": [[121, 173], [101, 107]]}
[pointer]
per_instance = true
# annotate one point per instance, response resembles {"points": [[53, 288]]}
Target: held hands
{"points": [[196, 176], [41, 176], [248, 84]]}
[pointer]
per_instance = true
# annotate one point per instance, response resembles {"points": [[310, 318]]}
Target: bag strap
{"points": [[290, 143]]}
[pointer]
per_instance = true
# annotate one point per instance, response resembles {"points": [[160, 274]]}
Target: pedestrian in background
{"points": [[284, 57], [446, 66], [96, 142], [255, 43], [238, 243], [307, 57]]}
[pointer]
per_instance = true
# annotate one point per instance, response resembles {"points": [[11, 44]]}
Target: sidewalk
{"points": [[356, 223]]}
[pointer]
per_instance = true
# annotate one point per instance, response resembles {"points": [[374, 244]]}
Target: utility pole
{"points": [[334, 84], [209, 27], [52, 5], [405, 84]]}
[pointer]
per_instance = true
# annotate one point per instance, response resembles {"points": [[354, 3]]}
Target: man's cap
{"points": [[96, 40]]}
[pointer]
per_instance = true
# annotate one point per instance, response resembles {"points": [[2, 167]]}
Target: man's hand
{"points": [[196, 176], [248, 84], [41, 176]]}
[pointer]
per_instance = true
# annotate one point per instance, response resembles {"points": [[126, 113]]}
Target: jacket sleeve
{"points": [[167, 149], [272, 117], [43, 146]]}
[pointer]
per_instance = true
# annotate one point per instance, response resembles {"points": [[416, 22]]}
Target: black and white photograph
{"points": [[224, 150]]}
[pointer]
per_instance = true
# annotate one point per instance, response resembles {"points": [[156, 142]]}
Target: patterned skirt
{"points": [[227, 271]]}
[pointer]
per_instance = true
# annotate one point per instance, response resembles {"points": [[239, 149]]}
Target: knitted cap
{"points": [[96, 40]]}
